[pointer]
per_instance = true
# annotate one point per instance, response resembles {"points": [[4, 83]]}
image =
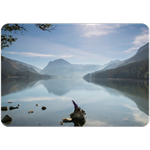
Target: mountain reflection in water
{"points": [[135, 90], [107, 103], [16, 84]]}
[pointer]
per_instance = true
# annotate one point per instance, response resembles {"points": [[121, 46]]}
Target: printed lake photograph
{"points": [[68, 75]]}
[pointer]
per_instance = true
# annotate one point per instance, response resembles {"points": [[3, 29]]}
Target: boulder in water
{"points": [[6, 119]]}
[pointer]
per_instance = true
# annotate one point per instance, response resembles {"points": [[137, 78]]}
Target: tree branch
{"points": [[46, 27]]}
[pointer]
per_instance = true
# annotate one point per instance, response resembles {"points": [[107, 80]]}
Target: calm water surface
{"points": [[106, 103]]}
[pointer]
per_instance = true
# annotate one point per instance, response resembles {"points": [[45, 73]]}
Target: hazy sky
{"points": [[78, 43]]}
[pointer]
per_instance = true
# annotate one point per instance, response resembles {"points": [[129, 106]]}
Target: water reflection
{"points": [[135, 90], [107, 103], [14, 85]]}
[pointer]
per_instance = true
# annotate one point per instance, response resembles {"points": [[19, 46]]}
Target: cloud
{"points": [[139, 40], [29, 54], [138, 115], [90, 30]]}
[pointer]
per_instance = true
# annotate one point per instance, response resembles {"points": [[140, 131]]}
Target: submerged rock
{"points": [[11, 107], [7, 119], [9, 102], [43, 108], [4, 108], [31, 111]]}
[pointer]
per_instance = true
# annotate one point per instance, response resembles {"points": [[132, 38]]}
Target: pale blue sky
{"points": [[78, 43]]}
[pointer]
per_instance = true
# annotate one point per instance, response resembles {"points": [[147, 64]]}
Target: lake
{"points": [[106, 102]]}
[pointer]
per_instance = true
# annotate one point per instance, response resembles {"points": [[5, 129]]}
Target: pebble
{"points": [[31, 111], [43, 108], [61, 123]]}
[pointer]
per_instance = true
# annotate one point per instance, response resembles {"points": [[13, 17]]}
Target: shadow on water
{"points": [[137, 91]]}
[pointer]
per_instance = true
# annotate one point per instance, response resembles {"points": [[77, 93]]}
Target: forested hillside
{"points": [[11, 69], [136, 70]]}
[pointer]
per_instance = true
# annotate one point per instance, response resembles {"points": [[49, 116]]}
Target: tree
{"points": [[7, 40]]}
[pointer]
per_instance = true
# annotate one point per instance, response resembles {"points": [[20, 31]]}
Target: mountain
{"points": [[135, 70], [141, 54], [25, 64], [112, 65], [58, 67], [11, 65], [10, 68], [112, 62], [61, 67], [122, 69]]}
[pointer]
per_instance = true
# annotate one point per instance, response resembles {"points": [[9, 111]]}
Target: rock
{"points": [[37, 104], [11, 107], [6, 119], [9, 102], [31, 111], [78, 114], [61, 123], [67, 119], [43, 108], [4, 108], [18, 104]]}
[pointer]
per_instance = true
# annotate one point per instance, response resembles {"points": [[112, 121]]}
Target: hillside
{"points": [[135, 70], [31, 66], [142, 53], [10, 68]]}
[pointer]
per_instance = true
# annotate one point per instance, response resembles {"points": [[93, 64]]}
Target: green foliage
{"points": [[136, 70], [7, 40]]}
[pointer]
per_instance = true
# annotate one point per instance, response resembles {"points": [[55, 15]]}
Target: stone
{"points": [[6, 119], [43, 108], [11, 107], [61, 123], [9, 102], [4, 108], [77, 115], [67, 119], [31, 111], [18, 104], [37, 104]]}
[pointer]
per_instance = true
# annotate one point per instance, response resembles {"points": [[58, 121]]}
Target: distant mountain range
{"points": [[61, 67], [136, 67]]}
